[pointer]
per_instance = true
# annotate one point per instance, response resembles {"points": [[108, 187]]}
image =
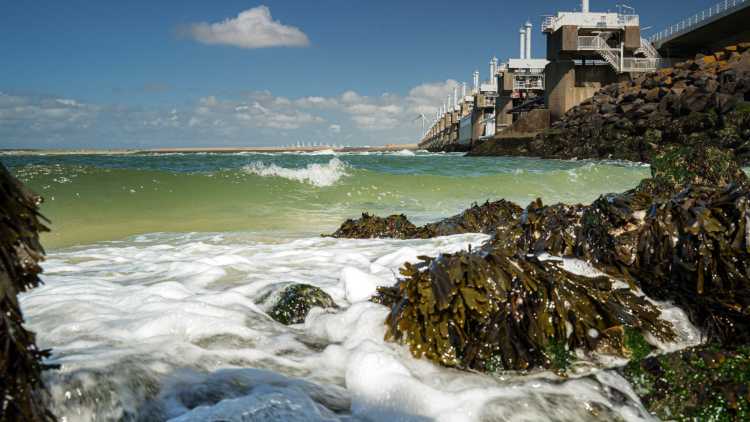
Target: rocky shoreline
{"points": [[705, 100], [681, 236]]}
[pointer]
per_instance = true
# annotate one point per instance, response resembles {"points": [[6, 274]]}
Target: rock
{"points": [[296, 301], [699, 383], [22, 394]]}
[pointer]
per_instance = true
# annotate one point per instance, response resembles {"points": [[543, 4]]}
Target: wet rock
{"points": [[296, 301], [701, 383], [22, 394]]}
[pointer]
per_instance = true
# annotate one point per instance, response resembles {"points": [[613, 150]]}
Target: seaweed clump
{"points": [[487, 218], [489, 310], [371, 227], [296, 301], [22, 394]]}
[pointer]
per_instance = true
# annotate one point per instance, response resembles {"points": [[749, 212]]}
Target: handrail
{"points": [[696, 19]]}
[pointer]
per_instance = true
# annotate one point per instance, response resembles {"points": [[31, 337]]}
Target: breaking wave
{"points": [[319, 175]]}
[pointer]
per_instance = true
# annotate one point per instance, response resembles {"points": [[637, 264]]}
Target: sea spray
{"points": [[319, 175], [176, 326]]}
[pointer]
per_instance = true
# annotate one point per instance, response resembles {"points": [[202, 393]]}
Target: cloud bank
{"points": [[255, 118], [253, 28]]}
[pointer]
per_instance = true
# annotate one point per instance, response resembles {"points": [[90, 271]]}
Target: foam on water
{"points": [[315, 174], [174, 326]]}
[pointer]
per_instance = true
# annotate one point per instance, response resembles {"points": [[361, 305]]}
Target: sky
{"points": [[145, 73]]}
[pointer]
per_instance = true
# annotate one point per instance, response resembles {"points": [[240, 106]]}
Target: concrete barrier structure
{"points": [[588, 50]]}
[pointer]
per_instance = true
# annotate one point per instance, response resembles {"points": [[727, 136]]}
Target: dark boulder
{"points": [[296, 301]]}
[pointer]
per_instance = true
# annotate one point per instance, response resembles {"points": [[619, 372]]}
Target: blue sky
{"points": [[104, 74]]}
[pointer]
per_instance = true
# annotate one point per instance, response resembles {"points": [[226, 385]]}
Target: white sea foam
{"points": [[172, 326], [405, 153], [315, 174]]}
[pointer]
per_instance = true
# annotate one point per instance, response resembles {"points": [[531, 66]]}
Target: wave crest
{"points": [[319, 175]]}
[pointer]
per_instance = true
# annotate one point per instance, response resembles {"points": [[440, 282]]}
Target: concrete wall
{"points": [[632, 37], [569, 85]]}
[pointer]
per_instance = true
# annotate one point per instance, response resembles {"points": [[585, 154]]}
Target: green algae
{"points": [[706, 383]]}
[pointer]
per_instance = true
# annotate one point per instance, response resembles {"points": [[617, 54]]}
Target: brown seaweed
{"points": [[487, 310], [22, 394]]}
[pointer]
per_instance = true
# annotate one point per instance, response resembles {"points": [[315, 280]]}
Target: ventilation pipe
{"points": [[528, 39], [476, 82], [585, 6], [523, 43]]}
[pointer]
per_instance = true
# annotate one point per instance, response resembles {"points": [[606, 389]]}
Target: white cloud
{"points": [[253, 28], [254, 118]]}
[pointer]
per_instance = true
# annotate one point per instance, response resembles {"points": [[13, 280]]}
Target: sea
{"points": [[161, 269]]}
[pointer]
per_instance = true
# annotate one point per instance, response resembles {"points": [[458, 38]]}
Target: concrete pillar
{"points": [[502, 106], [585, 6], [476, 82], [522, 53]]}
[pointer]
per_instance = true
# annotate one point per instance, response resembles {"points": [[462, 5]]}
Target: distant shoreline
{"points": [[215, 150]]}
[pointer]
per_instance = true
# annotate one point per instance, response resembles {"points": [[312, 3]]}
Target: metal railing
{"points": [[648, 49], [528, 83], [636, 64], [589, 20], [592, 43], [696, 19]]}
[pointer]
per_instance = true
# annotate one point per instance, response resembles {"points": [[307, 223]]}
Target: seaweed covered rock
{"points": [[681, 236], [370, 227], [701, 383], [694, 250], [296, 301], [678, 166], [22, 394], [486, 218], [486, 310]]}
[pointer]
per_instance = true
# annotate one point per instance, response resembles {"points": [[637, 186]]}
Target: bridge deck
{"points": [[723, 24]]}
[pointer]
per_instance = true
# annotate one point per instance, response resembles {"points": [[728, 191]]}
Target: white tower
{"points": [[455, 98], [528, 39], [585, 6], [463, 90], [476, 82], [522, 54]]}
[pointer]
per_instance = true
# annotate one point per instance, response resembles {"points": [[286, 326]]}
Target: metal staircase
{"points": [[613, 55], [648, 50]]}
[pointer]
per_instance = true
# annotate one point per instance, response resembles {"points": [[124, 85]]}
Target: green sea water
{"points": [[90, 198]]}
